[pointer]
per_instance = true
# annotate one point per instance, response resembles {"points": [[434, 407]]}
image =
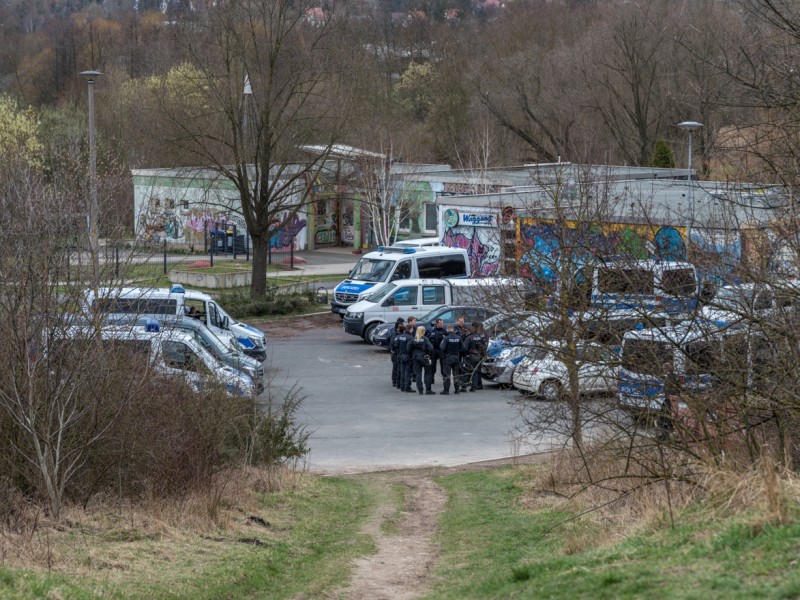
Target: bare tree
{"points": [[266, 80]]}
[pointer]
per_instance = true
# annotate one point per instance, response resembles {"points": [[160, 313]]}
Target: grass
{"points": [[310, 538], [500, 538], [494, 547]]}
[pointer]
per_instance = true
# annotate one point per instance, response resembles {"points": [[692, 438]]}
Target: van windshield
{"points": [[371, 269], [383, 292], [646, 356]]}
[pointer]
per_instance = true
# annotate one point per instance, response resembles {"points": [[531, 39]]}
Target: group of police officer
{"points": [[416, 349]]}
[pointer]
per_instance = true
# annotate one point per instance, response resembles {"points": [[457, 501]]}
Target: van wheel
{"points": [[369, 331], [550, 390]]}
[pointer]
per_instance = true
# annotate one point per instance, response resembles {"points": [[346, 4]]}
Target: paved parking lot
{"points": [[360, 422]]}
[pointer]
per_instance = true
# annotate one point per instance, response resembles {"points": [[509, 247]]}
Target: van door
{"points": [[214, 320], [180, 360], [402, 271], [403, 300]]}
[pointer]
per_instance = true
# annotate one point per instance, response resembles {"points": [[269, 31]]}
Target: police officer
{"points": [[461, 328], [421, 350], [411, 329], [450, 350], [395, 363], [436, 335], [401, 345], [475, 348]]}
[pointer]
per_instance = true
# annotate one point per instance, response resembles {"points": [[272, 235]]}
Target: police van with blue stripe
{"points": [[394, 263]]}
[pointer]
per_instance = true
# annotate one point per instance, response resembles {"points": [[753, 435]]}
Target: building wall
{"points": [[478, 231], [168, 205]]}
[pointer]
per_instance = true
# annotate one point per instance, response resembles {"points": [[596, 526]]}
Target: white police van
{"points": [[177, 301], [170, 352], [417, 297], [393, 263], [669, 285]]}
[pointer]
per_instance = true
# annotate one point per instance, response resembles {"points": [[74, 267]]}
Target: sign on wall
{"points": [[458, 217]]}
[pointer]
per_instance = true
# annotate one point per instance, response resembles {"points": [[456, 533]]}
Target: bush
{"points": [[273, 304]]}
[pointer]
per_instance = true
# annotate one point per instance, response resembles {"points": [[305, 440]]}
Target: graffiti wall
{"points": [[182, 225], [292, 236], [542, 242], [476, 231]]}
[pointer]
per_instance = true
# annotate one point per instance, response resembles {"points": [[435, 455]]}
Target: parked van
{"points": [[177, 301], [171, 352], [668, 285], [394, 263], [698, 355], [754, 303], [417, 297], [220, 348]]}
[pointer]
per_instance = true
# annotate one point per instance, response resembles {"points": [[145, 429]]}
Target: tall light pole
{"points": [[94, 209], [690, 126]]}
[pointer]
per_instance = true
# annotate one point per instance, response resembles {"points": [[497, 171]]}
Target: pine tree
{"points": [[662, 155]]}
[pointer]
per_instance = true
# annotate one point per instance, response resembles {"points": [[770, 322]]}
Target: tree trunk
{"points": [[258, 284]]}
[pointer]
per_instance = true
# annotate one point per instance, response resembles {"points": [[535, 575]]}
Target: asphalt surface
{"points": [[359, 422]]}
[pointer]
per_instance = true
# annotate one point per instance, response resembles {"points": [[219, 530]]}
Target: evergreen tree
{"points": [[663, 157]]}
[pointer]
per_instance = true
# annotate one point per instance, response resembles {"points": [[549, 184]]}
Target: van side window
{"points": [[403, 271], [443, 265], [433, 294], [179, 356], [405, 296], [626, 281], [679, 282]]}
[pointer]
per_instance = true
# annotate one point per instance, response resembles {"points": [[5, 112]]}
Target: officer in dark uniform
{"points": [[411, 329], [401, 344], [421, 351], [461, 328], [450, 350], [436, 335], [475, 348], [395, 363]]}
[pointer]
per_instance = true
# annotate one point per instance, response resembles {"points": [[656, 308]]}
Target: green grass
{"points": [[492, 547], [495, 548], [312, 537]]}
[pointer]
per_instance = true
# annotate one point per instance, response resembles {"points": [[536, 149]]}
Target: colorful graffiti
{"points": [[481, 245], [542, 242], [285, 238]]}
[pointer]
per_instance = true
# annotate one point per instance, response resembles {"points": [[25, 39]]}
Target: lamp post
{"points": [[94, 209], [690, 126]]}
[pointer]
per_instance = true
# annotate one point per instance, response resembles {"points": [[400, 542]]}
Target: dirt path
{"points": [[404, 537]]}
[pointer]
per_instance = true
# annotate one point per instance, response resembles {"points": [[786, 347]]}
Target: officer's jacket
{"points": [[476, 344], [421, 347], [436, 335], [401, 344], [451, 345]]}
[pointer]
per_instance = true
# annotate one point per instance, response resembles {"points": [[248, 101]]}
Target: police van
{"points": [[698, 355], [168, 351], [668, 285], [177, 301], [222, 349], [394, 263], [418, 297]]}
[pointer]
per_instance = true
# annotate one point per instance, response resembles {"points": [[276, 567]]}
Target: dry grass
{"points": [[766, 489], [616, 497], [117, 536]]}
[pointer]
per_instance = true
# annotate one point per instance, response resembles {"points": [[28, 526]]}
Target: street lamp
{"points": [[94, 210], [690, 126]]}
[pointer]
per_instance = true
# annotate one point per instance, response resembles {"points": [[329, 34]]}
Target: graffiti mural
{"points": [[541, 242], [286, 238], [481, 244]]}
